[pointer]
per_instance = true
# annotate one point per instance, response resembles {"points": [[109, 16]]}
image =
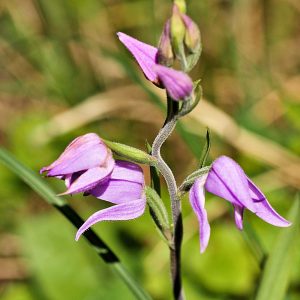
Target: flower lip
{"points": [[125, 190], [120, 212]]}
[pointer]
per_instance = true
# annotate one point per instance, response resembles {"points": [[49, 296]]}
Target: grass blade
{"points": [[276, 274]]}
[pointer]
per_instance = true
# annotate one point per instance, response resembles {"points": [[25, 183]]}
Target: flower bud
{"points": [[181, 5], [192, 37], [192, 41], [165, 55], [177, 30], [131, 153]]}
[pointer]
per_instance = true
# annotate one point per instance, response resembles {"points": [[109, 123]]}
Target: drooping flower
{"points": [[227, 180], [168, 78], [87, 166], [85, 162]]}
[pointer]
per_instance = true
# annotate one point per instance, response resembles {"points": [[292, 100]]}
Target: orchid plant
{"points": [[88, 166]]}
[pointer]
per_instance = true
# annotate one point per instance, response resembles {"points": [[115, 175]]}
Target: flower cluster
{"points": [[87, 164]]}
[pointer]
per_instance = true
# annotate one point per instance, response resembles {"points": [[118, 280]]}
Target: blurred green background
{"points": [[63, 73]]}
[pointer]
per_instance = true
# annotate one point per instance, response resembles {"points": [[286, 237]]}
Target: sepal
{"points": [[158, 211], [206, 149]]}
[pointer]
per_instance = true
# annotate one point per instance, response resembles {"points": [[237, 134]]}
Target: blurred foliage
{"points": [[56, 54]]}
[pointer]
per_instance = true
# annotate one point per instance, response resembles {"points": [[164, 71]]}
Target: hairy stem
{"points": [[175, 249]]}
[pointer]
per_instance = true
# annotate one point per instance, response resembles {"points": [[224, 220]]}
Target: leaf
{"points": [[159, 210], [205, 150], [276, 275], [30, 178]]}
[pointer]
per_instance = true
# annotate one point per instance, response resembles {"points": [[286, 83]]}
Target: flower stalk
{"points": [[175, 248]]}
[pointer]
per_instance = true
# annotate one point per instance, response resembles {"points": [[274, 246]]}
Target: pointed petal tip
{"points": [[240, 228], [287, 224], [278, 222], [42, 170], [64, 193], [202, 249], [144, 54], [61, 194], [78, 235], [120, 34]]}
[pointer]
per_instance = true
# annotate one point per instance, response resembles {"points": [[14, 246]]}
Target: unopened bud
{"points": [[177, 29], [192, 41], [131, 153], [165, 54], [181, 5], [192, 37]]}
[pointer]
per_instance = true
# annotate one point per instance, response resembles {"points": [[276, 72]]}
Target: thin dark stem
{"points": [[175, 249], [102, 249]]}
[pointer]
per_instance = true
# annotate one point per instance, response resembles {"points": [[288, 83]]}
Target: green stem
{"points": [[175, 250]]}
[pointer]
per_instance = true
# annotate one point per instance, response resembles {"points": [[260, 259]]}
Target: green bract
{"points": [[131, 153]]}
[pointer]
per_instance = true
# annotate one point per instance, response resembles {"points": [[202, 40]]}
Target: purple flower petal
{"points": [[125, 170], [85, 152], [125, 211], [192, 35], [227, 180], [89, 179], [197, 200], [117, 191], [178, 84], [238, 216], [126, 182], [263, 209], [144, 54]]}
